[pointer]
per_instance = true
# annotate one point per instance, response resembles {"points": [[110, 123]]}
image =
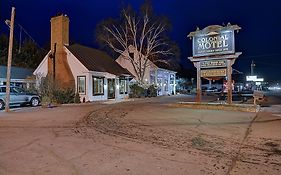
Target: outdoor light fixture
{"points": [[8, 23]]}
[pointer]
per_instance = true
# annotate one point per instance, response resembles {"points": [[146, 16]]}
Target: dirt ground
{"points": [[146, 136]]}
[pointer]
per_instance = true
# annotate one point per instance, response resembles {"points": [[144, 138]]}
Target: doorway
{"points": [[111, 88]]}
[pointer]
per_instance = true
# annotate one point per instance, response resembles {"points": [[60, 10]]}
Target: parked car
{"points": [[18, 96]]}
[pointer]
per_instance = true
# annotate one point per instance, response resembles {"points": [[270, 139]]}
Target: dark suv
{"points": [[18, 96]]}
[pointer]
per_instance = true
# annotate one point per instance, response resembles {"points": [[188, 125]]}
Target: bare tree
{"points": [[141, 33]]}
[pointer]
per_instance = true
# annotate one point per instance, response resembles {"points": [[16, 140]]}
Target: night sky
{"points": [[259, 39]]}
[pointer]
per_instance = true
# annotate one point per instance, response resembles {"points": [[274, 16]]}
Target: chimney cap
{"points": [[60, 14]]}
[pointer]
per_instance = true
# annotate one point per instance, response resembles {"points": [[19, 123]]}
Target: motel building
{"points": [[93, 73], [156, 73]]}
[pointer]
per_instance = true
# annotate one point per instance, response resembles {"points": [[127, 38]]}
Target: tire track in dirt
{"points": [[61, 159], [20, 147], [238, 153]]}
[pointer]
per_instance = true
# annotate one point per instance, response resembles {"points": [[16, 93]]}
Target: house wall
{"points": [[42, 69], [78, 69], [162, 78], [125, 63]]}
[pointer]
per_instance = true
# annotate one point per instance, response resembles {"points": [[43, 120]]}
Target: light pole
{"points": [[8, 23], [10, 53]]}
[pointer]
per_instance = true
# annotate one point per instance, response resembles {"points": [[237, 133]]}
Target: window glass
{"points": [[172, 79], [124, 84], [3, 89], [98, 87], [18, 90], [81, 85]]}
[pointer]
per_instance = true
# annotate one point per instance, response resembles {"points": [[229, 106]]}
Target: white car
{"points": [[18, 96]]}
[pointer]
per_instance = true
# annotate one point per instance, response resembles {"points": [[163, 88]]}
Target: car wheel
{"points": [[2, 105], [34, 102]]}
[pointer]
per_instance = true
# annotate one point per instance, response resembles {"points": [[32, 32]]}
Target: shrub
{"points": [[152, 91], [62, 96], [51, 93], [77, 98], [136, 91]]}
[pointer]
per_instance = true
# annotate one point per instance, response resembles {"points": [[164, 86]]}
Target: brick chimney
{"points": [[57, 64]]}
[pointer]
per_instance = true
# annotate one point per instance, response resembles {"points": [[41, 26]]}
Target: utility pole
{"points": [[10, 54], [252, 67]]}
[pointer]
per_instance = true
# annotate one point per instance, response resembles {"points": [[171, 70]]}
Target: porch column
{"points": [[169, 83], [117, 87], [174, 84], [156, 76]]}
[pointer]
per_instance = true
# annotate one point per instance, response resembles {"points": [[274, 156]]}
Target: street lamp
{"points": [[8, 23]]}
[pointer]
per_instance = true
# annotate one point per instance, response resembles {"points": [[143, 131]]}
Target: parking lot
{"points": [[146, 136]]}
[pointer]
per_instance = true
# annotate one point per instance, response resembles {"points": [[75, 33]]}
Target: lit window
{"points": [[81, 84], [123, 89], [98, 87]]}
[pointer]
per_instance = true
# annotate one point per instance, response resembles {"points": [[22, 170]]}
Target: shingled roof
{"points": [[16, 72], [96, 60]]}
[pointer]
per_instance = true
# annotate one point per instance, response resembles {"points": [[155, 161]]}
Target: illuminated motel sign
{"points": [[214, 54], [214, 43]]}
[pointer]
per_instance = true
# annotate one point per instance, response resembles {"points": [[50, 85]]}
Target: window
{"points": [[81, 84], [132, 55], [172, 78], [3, 89], [98, 87], [123, 86], [17, 90]]}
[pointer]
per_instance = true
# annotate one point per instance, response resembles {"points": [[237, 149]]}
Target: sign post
{"points": [[214, 54], [198, 88]]}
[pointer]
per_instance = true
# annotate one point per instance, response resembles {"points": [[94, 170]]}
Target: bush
{"points": [[77, 98], [152, 91], [62, 96], [51, 93], [136, 91]]}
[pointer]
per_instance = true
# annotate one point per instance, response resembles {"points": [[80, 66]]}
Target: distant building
{"points": [[155, 73], [21, 77]]}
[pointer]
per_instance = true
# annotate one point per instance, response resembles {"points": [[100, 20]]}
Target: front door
{"points": [[111, 88]]}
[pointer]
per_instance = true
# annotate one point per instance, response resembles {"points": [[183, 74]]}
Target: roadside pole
{"points": [[10, 54]]}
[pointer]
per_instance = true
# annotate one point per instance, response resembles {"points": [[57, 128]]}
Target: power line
{"points": [[24, 30]]}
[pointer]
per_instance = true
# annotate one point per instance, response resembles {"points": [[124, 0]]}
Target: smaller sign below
{"points": [[213, 73], [213, 63]]}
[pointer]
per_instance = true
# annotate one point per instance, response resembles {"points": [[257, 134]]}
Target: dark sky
{"points": [[259, 39]]}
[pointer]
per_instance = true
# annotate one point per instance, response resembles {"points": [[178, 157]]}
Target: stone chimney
{"points": [[58, 67]]}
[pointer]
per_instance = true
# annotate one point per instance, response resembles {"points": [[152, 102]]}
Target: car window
{"points": [[3, 89], [17, 90]]}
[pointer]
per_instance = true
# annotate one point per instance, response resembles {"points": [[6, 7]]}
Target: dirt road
{"points": [[139, 137]]}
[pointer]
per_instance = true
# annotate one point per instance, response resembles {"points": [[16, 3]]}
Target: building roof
{"points": [[96, 60], [16, 72], [163, 65]]}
